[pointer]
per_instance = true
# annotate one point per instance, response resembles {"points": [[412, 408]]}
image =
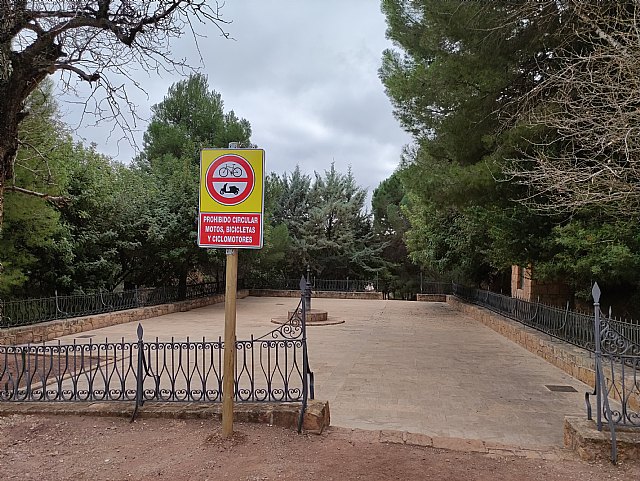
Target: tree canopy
{"points": [[95, 42], [522, 118], [126, 225]]}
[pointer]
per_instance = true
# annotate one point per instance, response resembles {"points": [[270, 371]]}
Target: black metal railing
{"points": [[32, 311], [573, 327], [338, 285], [443, 288], [414, 286], [269, 368]]}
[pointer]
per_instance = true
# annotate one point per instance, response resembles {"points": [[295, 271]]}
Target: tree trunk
{"points": [[2, 182], [10, 117], [8, 149], [182, 285]]}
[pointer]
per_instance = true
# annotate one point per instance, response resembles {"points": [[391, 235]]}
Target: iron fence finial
{"points": [[595, 292]]}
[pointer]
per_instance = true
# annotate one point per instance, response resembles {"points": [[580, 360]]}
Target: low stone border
{"points": [[316, 417], [583, 437], [370, 296], [431, 297], [491, 449], [330, 321], [46, 331]]}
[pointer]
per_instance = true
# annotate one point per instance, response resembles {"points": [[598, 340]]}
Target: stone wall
{"points": [[315, 420], [524, 286], [317, 294], [47, 331], [431, 297]]}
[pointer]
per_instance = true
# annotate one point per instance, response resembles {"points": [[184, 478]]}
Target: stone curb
{"points": [[331, 321], [489, 448], [316, 417]]}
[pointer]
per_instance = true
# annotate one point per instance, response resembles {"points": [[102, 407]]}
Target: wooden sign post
{"points": [[228, 380], [231, 213]]}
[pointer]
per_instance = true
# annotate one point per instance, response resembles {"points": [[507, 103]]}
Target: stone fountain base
{"points": [[315, 317]]}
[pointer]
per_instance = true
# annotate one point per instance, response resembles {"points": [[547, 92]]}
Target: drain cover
{"points": [[554, 388], [86, 336]]}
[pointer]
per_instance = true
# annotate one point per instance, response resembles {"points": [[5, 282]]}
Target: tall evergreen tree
{"points": [[338, 240], [190, 117], [460, 66]]}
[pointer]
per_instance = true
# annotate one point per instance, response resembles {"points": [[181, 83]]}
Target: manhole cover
{"points": [[85, 336], [554, 388]]}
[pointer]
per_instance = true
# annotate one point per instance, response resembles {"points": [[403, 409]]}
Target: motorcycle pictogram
{"points": [[231, 190]]}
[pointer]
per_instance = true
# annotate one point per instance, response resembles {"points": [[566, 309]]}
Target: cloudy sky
{"points": [[305, 76]]}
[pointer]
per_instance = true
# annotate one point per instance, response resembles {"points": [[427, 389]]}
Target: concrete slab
{"points": [[393, 365]]}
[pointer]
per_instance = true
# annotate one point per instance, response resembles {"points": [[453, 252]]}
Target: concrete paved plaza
{"points": [[420, 367]]}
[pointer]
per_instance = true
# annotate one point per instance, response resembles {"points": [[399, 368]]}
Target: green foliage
{"points": [[390, 226], [31, 240], [461, 65], [32, 235], [190, 118], [337, 234], [585, 251], [291, 194], [105, 216], [321, 223]]}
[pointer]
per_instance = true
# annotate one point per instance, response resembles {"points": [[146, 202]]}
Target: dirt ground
{"points": [[61, 448]]}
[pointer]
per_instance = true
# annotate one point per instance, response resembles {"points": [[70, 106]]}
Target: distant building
{"points": [[524, 286]]}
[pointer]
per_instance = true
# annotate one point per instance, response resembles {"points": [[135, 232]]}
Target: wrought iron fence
{"points": [[32, 311], [339, 285], [617, 397], [270, 368], [445, 288], [573, 327]]}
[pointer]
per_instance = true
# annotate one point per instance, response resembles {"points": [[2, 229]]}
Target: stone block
{"points": [[365, 435], [460, 444], [391, 437], [582, 436], [416, 439], [431, 298], [286, 418], [317, 417]]}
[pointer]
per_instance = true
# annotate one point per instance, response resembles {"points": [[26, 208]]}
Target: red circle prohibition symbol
{"points": [[230, 179]]}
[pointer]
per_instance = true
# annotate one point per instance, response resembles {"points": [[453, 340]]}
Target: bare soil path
{"points": [[79, 448]]}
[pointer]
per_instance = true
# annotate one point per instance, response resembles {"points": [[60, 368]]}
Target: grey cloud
{"points": [[305, 76]]}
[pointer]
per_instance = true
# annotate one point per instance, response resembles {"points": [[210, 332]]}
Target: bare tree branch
{"points": [[100, 42], [589, 107], [54, 199]]}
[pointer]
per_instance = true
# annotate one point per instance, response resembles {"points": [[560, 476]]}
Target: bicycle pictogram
{"points": [[230, 170], [230, 179]]}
